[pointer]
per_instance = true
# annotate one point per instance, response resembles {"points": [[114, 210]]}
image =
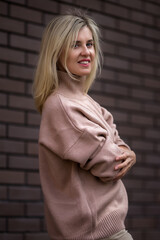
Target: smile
{"points": [[85, 62]]}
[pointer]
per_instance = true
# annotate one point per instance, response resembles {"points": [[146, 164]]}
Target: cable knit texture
{"points": [[78, 144]]}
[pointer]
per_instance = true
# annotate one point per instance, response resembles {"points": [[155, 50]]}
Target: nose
{"points": [[85, 51]]}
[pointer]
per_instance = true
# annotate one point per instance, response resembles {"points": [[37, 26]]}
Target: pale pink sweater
{"points": [[78, 144]]}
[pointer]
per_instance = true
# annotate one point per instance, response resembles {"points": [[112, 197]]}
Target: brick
{"points": [[37, 236], [152, 159], [7, 115], [152, 33], [129, 53], [143, 222], [12, 177], [29, 89], [96, 86], [108, 48], [116, 37], [3, 227], [10, 146], [152, 134], [143, 172], [32, 148], [153, 234], [3, 193], [129, 105], [142, 17], [3, 99], [142, 197], [11, 236], [3, 39], [96, 5], [117, 63], [19, 132], [11, 25], [130, 27], [142, 120], [152, 8], [23, 162], [3, 8], [21, 102], [129, 79], [3, 162], [135, 210], [32, 59], [108, 74], [8, 85], [152, 83], [142, 94], [118, 11], [25, 43], [33, 179], [130, 131], [142, 68], [142, 145], [104, 20], [3, 68], [49, 6], [48, 17], [21, 72], [115, 89], [104, 100], [24, 193], [33, 119], [35, 30], [25, 14], [133, 184], [35, 209], [120, 116], [22, 2], [136, 4], [142, 43], [152, 108], [11, 209], [153, 210], [2, 130], [152, 58], [24, 224], [11, 55]]}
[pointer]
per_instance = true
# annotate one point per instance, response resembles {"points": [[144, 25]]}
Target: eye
{"points": [[89, 44], [76, 45]]}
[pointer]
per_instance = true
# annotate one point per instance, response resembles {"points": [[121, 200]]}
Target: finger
{"points": [[123, 164], [122, 173], [122, 156]]}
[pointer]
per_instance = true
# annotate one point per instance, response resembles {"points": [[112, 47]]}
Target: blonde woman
{"points": [[82, 158]]}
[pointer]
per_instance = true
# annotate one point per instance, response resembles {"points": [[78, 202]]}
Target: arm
{"points": [[72, 134], [128, 158]]}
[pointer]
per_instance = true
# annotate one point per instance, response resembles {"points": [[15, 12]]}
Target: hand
{"points": [[128, 159]]}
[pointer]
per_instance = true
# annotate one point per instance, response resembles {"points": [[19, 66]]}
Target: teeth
{"points": [[84, 62]]}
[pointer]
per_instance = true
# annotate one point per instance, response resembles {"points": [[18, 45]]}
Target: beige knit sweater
{"points": [[78, 144]]}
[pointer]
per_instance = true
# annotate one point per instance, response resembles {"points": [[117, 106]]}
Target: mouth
{"points": [[84, 61]]}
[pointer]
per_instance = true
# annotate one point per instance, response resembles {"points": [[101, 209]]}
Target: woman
{"points": [[82, 158]]}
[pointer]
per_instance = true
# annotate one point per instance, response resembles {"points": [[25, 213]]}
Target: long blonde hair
{"points": [[57, 38]]}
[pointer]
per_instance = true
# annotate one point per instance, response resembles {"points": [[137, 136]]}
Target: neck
{"points": [[69, 86]]}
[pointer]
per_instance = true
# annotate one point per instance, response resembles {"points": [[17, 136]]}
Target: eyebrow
{"points": [[90, 40]]}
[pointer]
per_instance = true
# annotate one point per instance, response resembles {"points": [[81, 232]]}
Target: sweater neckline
{"points": [[69, 87]]}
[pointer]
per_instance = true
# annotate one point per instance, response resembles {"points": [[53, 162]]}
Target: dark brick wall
{"points": [[129, 87]]}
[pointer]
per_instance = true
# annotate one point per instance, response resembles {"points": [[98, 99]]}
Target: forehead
{"points": [[84, 34]]}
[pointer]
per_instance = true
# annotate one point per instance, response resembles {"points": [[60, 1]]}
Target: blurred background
{"points": [[129, 87]]}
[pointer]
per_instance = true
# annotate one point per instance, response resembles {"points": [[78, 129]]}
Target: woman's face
{"points": [[81, 55]]}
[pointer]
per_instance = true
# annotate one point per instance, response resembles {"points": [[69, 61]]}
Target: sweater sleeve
{"points": [[68, 132]]}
